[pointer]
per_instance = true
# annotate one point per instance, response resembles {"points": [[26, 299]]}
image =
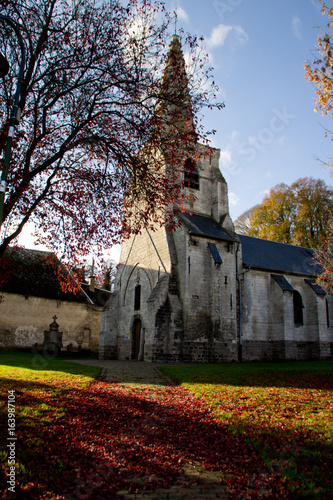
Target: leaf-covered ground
{"points": [[83, 438], [283, 411]]}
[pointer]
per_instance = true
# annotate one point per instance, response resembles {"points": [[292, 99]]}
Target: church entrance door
{"points": [[136, 340]]}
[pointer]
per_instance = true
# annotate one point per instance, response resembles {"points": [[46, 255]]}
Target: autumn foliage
{"points": [[266, 429], [324, 257], [320, 71], [299, 214], [84, 159], [38, 273]]}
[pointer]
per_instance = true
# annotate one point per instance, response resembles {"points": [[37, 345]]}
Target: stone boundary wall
{"points": [[23, 320]]}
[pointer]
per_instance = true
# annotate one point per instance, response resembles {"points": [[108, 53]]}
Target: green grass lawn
{"points": [[283, 410], [21, 368], [38, 382], [266, 427]]}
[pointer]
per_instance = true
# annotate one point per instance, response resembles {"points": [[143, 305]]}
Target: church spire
{"points": [[175, 105]]}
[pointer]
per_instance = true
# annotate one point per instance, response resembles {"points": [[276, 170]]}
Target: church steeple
{"points": [[175, 78], [175, 108]]}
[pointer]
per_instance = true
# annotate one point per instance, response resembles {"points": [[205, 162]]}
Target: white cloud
{"points": [[225, 157], [240, 34], [234, 135], [296, 27], [222, 31], [182, 14], [219, 35], [233, 199]]}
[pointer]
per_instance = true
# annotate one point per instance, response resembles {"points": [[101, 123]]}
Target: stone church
{"points": [[202, 293]]}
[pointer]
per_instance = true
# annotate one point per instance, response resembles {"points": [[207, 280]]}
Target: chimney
{"points": [[92, 277]]}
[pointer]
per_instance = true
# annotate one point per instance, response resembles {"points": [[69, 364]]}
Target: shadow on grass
{"points": [[297, 374], [301, 374], [107, 439]]}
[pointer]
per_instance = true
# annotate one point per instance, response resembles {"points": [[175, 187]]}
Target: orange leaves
{"points": [[115, 438], [320, 71], [89, 111]]}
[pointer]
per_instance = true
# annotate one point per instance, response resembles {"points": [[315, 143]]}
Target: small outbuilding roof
{"points": [[206, 227], [281, 257], [36, 273]]}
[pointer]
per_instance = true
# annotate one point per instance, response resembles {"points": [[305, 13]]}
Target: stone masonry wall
{"points": [[24, 319], [268, 328], [208, 292]]}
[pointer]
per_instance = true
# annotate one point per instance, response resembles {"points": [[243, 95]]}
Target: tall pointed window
{"points": [[191, 174], [137, 298], [298, 308]]}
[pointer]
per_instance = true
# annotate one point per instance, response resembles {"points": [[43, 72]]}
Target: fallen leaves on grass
{"points": [[286, 416], [92, 442]]}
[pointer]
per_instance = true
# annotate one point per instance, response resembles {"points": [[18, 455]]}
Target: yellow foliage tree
{"points": [[298, 214], [273, 219]]}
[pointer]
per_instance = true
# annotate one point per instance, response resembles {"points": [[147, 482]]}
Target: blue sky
{"points": [[268, 132]]}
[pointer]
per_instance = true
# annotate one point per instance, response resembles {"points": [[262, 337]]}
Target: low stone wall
{"points": [[253, 350], [23, 321]]}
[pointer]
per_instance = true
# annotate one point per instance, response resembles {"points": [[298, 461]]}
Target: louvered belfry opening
{"points": [[191, 174]]}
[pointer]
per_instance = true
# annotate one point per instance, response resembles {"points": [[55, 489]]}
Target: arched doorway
{"points": [[136, 338]]}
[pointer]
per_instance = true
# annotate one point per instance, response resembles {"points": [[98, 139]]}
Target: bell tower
{"points": [[186, 276]]}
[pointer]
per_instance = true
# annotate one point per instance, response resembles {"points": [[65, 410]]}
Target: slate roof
{"points": [[215, 253], [273, 256], [199, 225], [32, 272], [316, 288], [282, 282]]}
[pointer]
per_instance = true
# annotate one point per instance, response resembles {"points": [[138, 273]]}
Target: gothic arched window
{"points": [[298, 308], [191, 174], [137, 298]]}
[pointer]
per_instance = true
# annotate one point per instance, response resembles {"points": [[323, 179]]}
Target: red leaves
{"points": [[285, 417], [90, 99], [266, 434], [109, 438]]}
